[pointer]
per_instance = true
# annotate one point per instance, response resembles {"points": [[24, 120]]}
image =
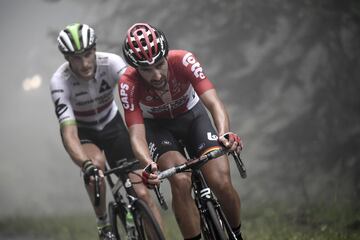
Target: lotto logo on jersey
{"points": [[124, 97], [195, 68], [211, 137]]}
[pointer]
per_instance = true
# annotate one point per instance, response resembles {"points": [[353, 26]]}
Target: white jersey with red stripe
{"points": [[186, 81], [88, 103]]}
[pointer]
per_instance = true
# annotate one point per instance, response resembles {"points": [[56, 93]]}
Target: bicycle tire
{"points": [[225, 223], [207, 228], [212, 219], [145, 222], [118, 228]]}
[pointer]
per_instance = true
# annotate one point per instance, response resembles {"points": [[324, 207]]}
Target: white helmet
{"points": [[76, 38]]}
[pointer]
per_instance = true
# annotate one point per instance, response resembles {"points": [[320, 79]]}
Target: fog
{"points": [[269, 73], [36, 175]]}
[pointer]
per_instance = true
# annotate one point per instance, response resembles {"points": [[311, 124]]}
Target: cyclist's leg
{"points": [[224, 190], [117, 146], [166, 152], [216, 172], [98, 158], [217, 175], [88, 138], [186, 213], [143, 193]]}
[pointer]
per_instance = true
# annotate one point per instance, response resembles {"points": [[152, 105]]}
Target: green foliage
{"points": [[263, 222], [51, 228], [81, 227], [305, 223]]}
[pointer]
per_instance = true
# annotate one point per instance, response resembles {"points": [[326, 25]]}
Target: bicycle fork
{"points": [[203, 194]]}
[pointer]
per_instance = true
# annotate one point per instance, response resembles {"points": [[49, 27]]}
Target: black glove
{"points": [[89, 169]]}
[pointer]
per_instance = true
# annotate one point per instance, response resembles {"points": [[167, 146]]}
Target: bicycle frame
{"points": [[203, 194], [144, 222], [122, 181]]}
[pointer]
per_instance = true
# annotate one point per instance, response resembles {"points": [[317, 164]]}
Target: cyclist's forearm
{"points": [[221, 120], [76, 152], [217, 111], [73, 147], [139, 144], [141, 152]]}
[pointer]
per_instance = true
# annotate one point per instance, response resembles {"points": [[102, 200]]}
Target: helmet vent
{"points": [[144, 45], [76, 38]]}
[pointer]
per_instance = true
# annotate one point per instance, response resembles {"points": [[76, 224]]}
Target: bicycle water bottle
{"points": [[130, 227]]}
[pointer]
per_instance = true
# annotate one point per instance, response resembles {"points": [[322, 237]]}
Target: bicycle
{"points": [[214, 224], [127, 207]]}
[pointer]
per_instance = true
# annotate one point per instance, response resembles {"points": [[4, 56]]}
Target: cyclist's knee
{"points": [[180, 183], [222, 186], [99, 160], [143, 193], [95, 154]]}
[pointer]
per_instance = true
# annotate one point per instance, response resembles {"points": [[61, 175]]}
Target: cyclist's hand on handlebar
{"points": [[149, 175], [232, 142], [89, 170]]}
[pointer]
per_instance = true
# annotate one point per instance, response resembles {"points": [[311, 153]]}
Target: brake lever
{"points": [[239, 164], [97, 187], [159, 196]]}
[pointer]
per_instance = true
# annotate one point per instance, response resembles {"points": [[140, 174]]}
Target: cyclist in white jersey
{"points": [[91, 126]]}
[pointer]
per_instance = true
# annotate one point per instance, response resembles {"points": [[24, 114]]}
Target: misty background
{"points": [[288, 72]]}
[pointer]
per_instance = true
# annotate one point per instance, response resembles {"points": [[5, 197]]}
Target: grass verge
{"points": [[261, 223]]}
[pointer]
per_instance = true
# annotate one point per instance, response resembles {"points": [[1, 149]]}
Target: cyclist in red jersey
{"points": [[163, 94]]}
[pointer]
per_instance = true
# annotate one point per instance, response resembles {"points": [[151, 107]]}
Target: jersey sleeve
{"points": [[61, 98], [193, 71], [117, 66], [129, 97]]}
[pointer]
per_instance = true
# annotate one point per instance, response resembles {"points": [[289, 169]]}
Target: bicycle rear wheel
{"points": [[146, 224], [117, 218]]}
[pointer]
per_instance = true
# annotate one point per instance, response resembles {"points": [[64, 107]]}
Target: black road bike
{"points": [[214, 224], [129, 215]]}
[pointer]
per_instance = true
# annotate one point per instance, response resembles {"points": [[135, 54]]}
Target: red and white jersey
{"points": [[186, 81]]}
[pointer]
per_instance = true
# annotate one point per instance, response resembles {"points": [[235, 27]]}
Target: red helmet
{"points": [[144, 45]]}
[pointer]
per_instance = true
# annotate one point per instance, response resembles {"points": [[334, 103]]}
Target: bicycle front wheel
{"points": [[211, 225], [145, 222], [116, 214]]}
